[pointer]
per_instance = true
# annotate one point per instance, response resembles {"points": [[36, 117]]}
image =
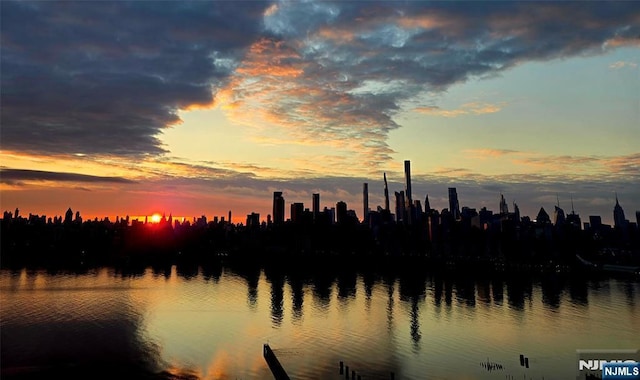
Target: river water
{"points": [[212, 323]]}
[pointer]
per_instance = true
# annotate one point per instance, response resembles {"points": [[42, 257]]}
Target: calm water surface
{"points": [[212, 323]]}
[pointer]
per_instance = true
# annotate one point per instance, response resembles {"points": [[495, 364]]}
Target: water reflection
{"points": [[210, 322], [212, 272], [163, 270], [346, 285], [296, 283], [551, 289], [322, 290], [389, 285], [484, 291], [578, 292], [519, 289], [368, 279], [276, 279], [63, 327], [413, 290], [497, 291], [466, 291]]}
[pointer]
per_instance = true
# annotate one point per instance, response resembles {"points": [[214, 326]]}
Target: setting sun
{"points": [[155, 218]]}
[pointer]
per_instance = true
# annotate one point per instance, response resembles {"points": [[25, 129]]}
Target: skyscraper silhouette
{"points": [[407, 180], [341, 212], [504, 209], [454, 205], [386, 193], [297, 208], [316, 206], [407, 192], [278, 207], [365, 202], [618, 215], [400, 207], [558, 214]]}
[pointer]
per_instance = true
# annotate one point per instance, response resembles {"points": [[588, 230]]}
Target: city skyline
{"points": [[140, 108], [401, 213]]}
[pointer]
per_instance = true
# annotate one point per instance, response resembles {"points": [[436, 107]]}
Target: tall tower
{"points": [[407, 191], [386, 193], [454, 206], [278, 207], [365, 202], [400, 207], [316, 206], [341, 212], [558, 214], [618, 215], [504, 209], [407, 180]]}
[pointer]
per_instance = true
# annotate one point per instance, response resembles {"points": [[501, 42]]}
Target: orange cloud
{"points": [[621, 64], [489, 153], [475, 108]]}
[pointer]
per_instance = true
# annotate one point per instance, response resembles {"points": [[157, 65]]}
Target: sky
{"points": [[201, 108]]}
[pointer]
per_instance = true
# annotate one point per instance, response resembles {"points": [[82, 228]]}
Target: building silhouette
{"points": [[365, 202], [543, 217], [316, 206], [407, 192], [278, 207], [619, 221], [504, 208], [386, 193], [341, 212], [297, 209], [400, 207], [454, 205]]}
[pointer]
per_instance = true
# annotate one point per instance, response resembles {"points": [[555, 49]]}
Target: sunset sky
{"points": [[198, 108]]}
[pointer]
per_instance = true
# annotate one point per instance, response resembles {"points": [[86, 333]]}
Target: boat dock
{"points": [[276, 368]]}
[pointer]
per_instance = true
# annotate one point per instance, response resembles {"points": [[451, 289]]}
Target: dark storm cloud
{"points": [[106, 77], [19, 175]]}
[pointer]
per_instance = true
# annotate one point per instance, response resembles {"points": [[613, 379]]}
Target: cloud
{"points": [[600, 168], [475, 108], [10, 176], [489, 153], [622, 64], [106, 78], [352, 66]]}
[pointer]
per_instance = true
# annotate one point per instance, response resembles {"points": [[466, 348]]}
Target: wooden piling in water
{"points": [[274, 365]]}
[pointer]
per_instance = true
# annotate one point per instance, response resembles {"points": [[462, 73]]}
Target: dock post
{"points": [[341, 367], [274, 365], [346, 373], [526, 362], [521, 360]]}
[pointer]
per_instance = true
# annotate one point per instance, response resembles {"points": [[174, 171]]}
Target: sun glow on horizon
{"points": [[155, 218]]}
